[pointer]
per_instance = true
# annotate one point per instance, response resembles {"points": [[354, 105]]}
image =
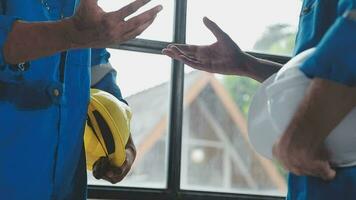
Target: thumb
{"points": [[328, 172], [214, 28], [325, 171]]}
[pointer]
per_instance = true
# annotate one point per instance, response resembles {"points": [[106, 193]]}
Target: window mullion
{"points": [[176, 107]]}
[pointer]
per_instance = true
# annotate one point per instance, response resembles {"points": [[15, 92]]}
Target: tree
{"points": [[242, 90], [277, 39]]}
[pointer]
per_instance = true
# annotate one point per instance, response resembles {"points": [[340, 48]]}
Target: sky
{"points": [[244, 20]]}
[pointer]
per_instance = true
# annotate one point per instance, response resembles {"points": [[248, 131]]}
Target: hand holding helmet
{"points": [[325, 135], [110, 151]]}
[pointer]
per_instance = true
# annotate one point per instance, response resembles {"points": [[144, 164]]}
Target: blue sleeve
{"points": [[335, 55], [6, 23], [106, 75]]}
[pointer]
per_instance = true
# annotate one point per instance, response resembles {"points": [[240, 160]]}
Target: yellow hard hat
{"points": [[107, 129]]}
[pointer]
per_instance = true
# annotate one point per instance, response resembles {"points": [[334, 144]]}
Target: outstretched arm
{"points": [[89, 27], [223, 56]]}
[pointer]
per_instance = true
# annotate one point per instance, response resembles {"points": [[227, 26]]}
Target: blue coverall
{"points": [[42, 118], [330, 26]]}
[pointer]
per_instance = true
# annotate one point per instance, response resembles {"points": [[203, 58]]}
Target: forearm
{"points": [[260, 69], [323, 108], [29, 41]]}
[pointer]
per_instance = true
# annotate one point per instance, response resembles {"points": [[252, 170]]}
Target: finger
{"points": [[142, 18], [171, 53], [175, 53], [190, 49], [186, 60], [214, 28], [168, 52], [113, 178], [322, 169], [100, 167], [193, 63], [130, 8], [131, 153], [125, 169], [117, 174], [136, 32], [180, 52], [113, 175], [178, 55], [297, 171]]}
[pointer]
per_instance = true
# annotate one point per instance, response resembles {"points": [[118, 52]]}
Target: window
{"points": [[216, 155], [148, 95], [190, 126], [259, 26]]}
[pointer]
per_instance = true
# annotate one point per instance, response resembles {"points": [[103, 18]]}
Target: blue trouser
{"points": [[343, 187]]}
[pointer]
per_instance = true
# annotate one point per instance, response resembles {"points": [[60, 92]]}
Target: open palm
{"points": [[92, 27], [223, 56]]}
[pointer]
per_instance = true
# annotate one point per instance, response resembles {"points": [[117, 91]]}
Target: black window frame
{"points": [[173, 190]]}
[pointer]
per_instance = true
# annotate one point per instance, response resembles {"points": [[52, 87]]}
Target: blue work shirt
{"points": [[41, 149], [330, 26]]}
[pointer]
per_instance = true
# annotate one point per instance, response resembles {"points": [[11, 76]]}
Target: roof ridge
{"points": [[162, 84], [149, 88]]}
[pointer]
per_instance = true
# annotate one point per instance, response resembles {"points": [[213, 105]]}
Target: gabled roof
{"points": [[154, 99], [150, 119]]}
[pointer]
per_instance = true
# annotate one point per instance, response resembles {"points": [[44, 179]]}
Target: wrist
{"points": [[249, 65], [68, 33], [260, 69]]}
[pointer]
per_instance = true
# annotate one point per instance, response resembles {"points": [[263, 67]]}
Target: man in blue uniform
{"points": [[44, 93], [330, 26]]}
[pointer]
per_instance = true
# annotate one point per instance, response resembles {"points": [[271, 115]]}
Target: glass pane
{"points": [[216, 154], [255, 25], [164, 20], [144, 81]]}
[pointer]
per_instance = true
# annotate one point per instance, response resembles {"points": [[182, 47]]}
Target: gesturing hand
{"points": [[223, 56], [92, 27]]}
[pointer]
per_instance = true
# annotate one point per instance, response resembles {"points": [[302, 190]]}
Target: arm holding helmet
{"points": [[103, 77], [301, 148], [330, 97]]}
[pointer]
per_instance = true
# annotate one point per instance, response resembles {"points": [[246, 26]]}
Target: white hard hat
{"points": [[274, 105]]}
